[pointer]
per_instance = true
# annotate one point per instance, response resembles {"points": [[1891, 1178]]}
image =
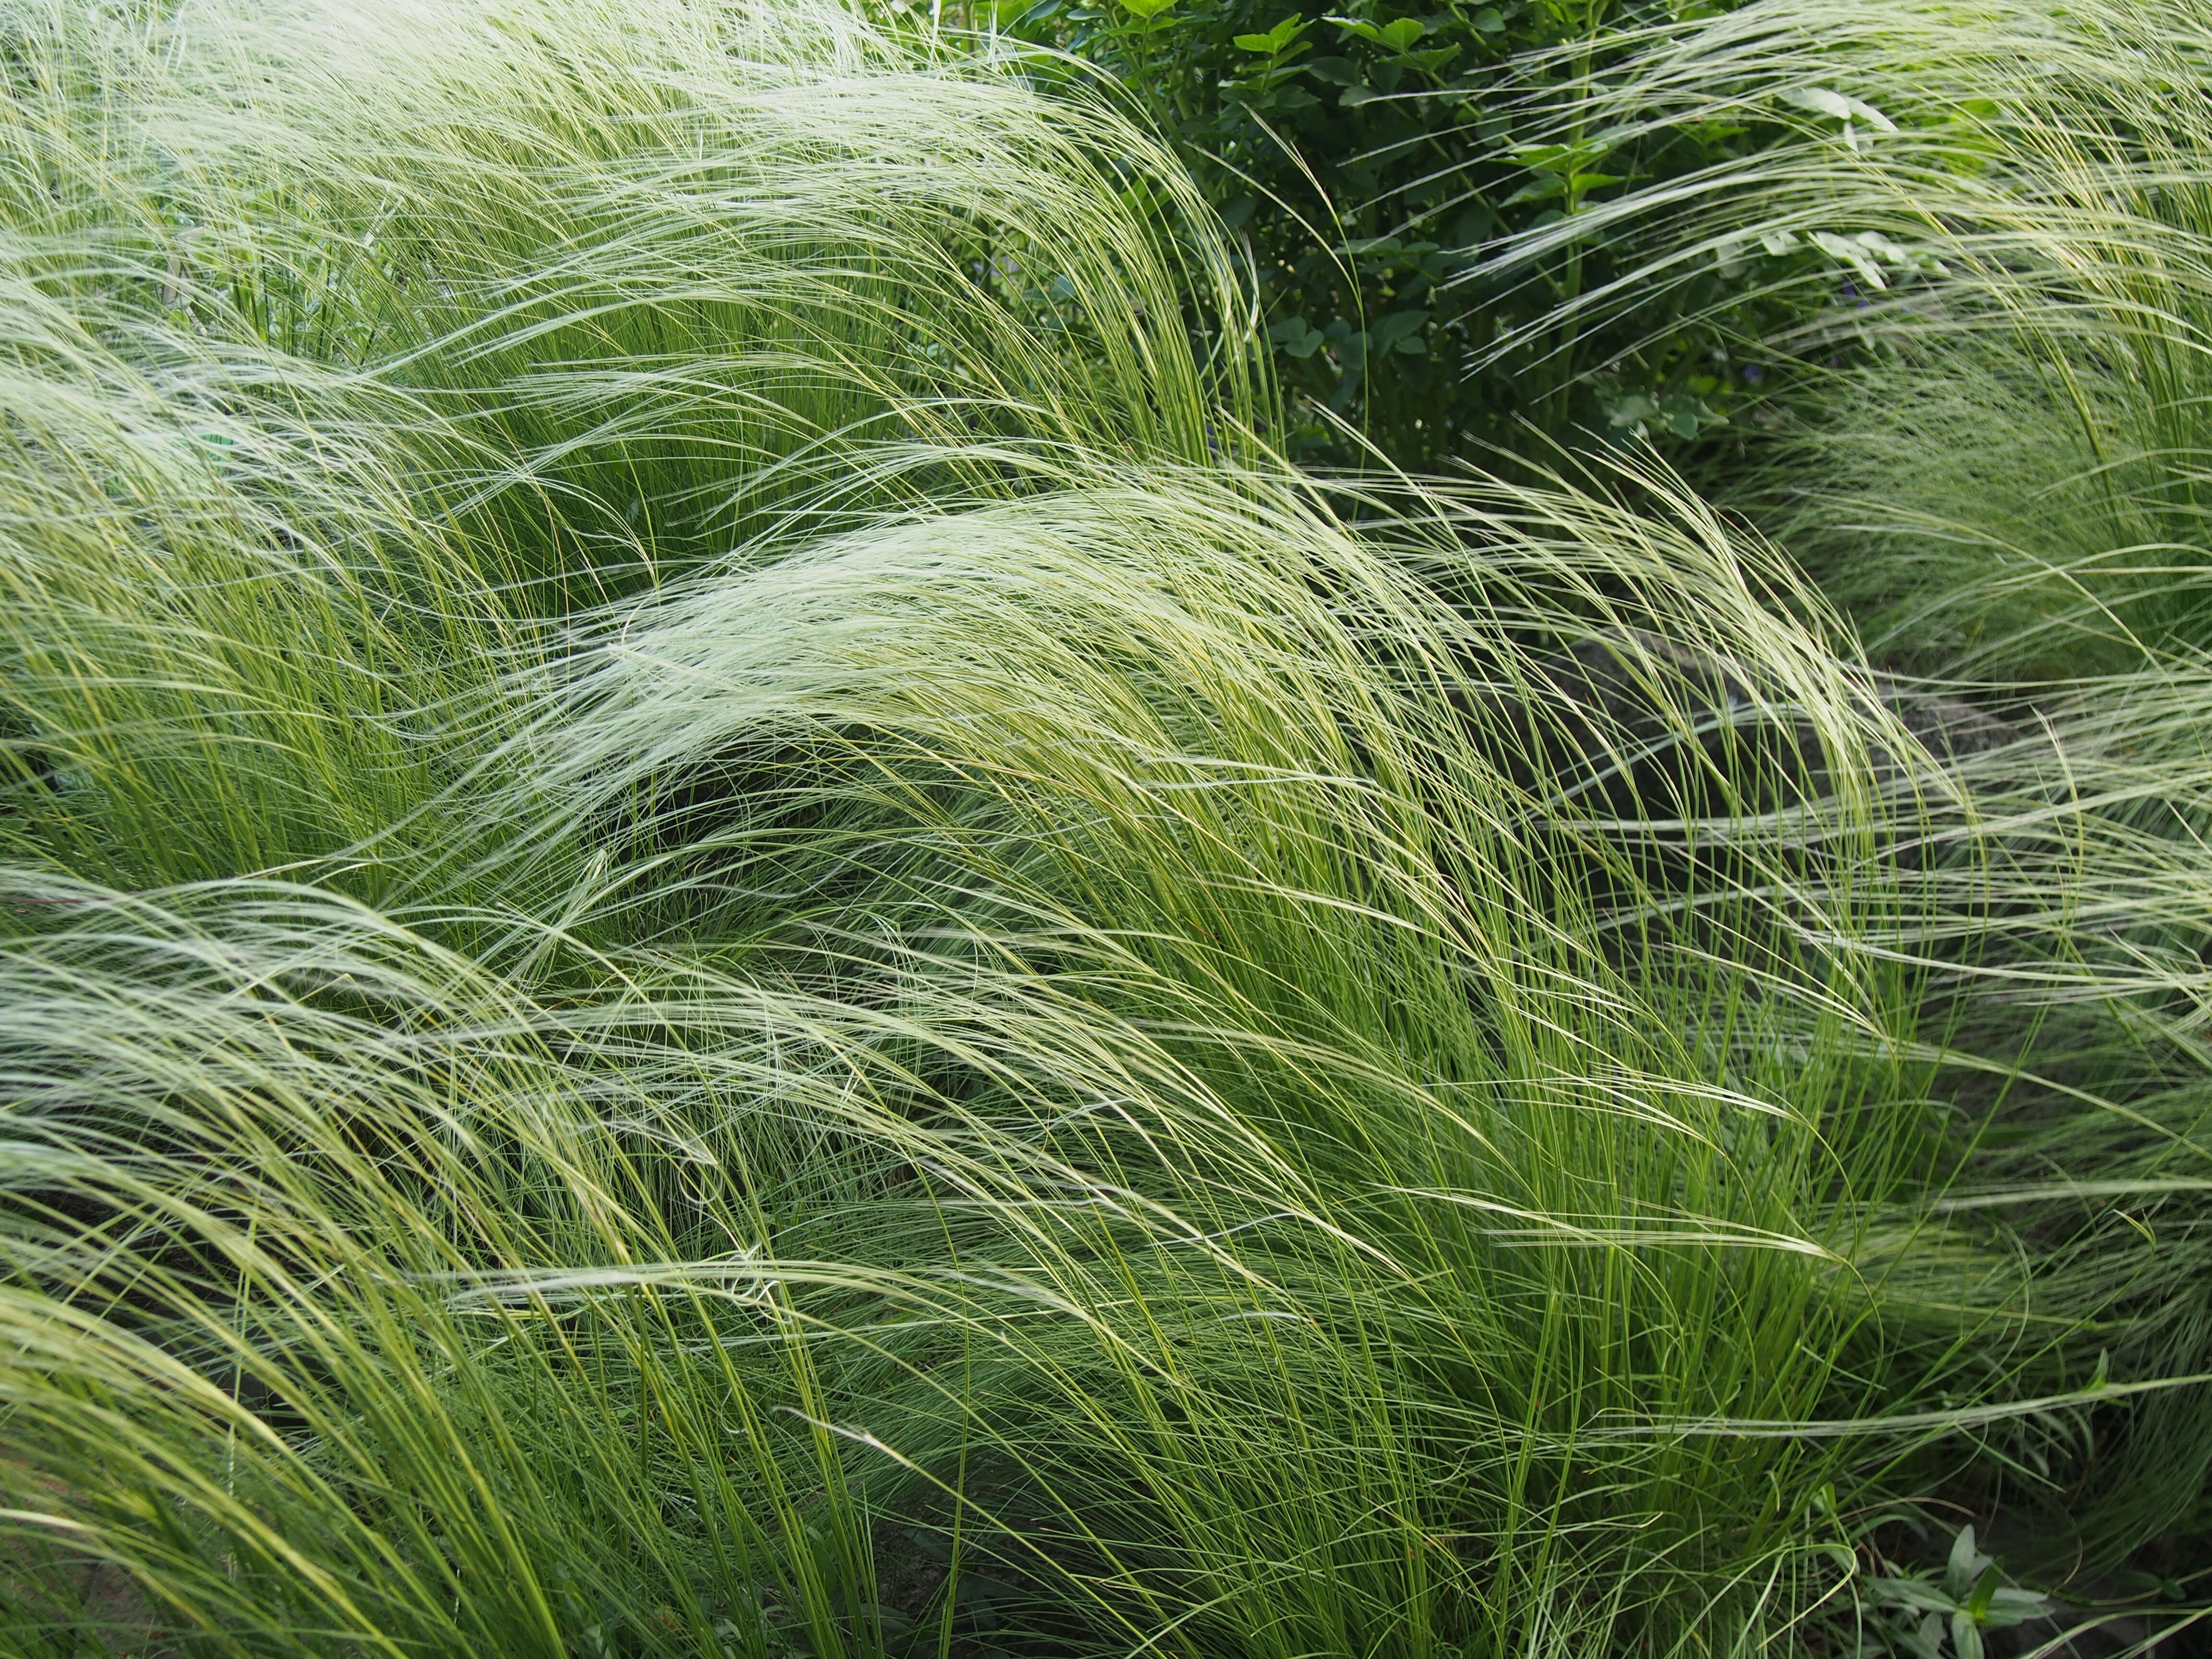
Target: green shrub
{"points": [[1369, 161]]}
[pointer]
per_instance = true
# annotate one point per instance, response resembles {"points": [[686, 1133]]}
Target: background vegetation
{"points": [[737, 917], [1367, 160]]}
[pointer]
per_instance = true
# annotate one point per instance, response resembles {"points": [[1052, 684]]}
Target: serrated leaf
{"points": [[1145, 10]]}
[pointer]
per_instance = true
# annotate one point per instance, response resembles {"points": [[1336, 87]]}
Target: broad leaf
{"points": [[1966, 1565], [1398, 35], [2014, 1606], [1276, 37]]}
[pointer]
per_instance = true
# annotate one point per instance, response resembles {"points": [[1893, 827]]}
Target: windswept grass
{"points": [[727, 932], [2005, 210]]}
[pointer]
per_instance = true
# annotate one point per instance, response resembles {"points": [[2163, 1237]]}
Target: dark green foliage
{"points": [[1373, 160]]}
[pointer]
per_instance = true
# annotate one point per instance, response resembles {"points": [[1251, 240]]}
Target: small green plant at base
{"points": [[1928, 1615]]}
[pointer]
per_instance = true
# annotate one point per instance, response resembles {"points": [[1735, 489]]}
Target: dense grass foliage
{"points": [[2002, 218], [726, 929]]}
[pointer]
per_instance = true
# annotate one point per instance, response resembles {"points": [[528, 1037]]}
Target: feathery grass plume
{"points": [[989, 1024], [442, 321], [1100, 1057], [2007, 207], [1130, 1087]]}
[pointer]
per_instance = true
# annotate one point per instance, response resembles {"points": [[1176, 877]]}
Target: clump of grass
{"points": [[456, 323], [991, 1021], [1997, 217], [2006, 233]]}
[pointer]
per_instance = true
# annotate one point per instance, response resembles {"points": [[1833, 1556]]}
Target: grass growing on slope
{"points": [[680, 977]]}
